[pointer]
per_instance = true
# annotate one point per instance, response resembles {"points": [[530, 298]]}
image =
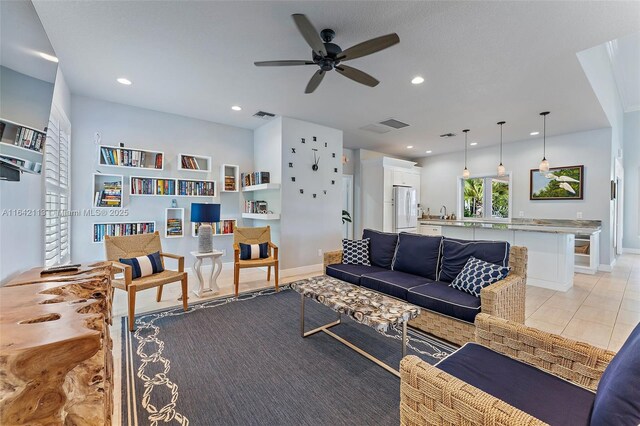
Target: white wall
{"points": [[172, 134], [25, 99], [631, 234], [349, 167], [592, 149]]}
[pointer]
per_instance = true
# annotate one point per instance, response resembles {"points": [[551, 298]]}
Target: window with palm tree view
{"points": [[486, 197]]}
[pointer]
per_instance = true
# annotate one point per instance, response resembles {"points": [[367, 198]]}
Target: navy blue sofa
{"points": [[419, 269], [519, 375]]}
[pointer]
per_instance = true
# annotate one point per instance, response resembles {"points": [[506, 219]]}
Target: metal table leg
{"points": [[404, 339]]}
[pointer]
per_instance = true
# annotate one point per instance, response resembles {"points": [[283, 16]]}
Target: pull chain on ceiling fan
{"points": [[329, 56]]}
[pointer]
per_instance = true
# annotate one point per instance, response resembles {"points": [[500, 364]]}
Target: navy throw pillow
{"points": [[382, 247], [455, 254], [417, 255], [144, 265], [254, 251], [478, 274], [355, 252], [617, 400]]}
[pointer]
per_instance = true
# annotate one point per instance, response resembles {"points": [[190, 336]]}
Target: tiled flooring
{"points": [[600, 309]]}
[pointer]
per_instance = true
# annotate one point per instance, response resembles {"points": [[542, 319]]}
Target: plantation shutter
{"points": [[57, 247]]}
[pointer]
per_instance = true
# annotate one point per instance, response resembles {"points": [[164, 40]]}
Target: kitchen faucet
{"points": [[443, 216]]}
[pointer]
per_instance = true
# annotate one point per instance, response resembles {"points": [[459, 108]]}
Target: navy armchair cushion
{"points": [[618, 398], [455, 254], [418, 255], [382, 247]]}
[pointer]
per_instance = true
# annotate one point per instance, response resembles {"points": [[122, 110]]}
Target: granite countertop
{"points": [[558, 226]]}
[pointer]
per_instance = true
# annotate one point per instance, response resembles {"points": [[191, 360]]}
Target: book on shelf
{"points": [[255, 206], [196, 188], [229, 183], [224, 227], [19, 162], [110, 195], [2, 127], [174, 227], [121, 229], [255, 178], [30, 139], [152, 186], [189, 162], [127, 157]]}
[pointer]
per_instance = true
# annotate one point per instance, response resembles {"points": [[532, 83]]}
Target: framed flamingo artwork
{"points": [[559, 183]]}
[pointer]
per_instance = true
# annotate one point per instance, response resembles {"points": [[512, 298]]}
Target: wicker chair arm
{"points": [[274, 248], [332, 257], [179, 258], [428, 395], [125, 269], [505, 298], [577, 362]]}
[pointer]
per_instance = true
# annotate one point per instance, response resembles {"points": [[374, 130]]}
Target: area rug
{"points": [[242, 361]]}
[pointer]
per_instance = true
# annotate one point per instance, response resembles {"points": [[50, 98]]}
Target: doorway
{"points": [[347, 206]]}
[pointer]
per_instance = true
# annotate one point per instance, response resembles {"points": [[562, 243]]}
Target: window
{"points": [[57, 246], [485, 197]]}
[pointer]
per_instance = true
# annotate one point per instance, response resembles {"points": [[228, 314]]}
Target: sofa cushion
{"points": [[478, 274], [382, 247], [545, 397], [455, 254], [393, 283], [355, 252], [418, 255], [351, 273], [445, 300], [618, 397]]}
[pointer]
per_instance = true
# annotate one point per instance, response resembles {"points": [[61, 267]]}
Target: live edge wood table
{"points": [[365, 306], [56, 363]]}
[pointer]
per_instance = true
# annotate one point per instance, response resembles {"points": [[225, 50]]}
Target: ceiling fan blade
{"points": [[357, 75], [315, 81], [281, 63], [309, 33], [368, 47]]}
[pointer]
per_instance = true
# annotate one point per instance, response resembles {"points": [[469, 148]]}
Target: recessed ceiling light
{"points": [[534, 133], [417, 80], [473, 143], [409, 146], [124, 81], [429, 152], [50, 58], [236, 108]]}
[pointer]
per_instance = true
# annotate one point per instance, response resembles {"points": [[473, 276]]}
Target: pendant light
{"points": [[501, 170], [544, 164], [465, 172]]}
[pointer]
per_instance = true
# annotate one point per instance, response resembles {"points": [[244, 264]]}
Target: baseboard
{"points": [[302, 270], [207, 268], [549, 285], [607, 268], [630, 250]]}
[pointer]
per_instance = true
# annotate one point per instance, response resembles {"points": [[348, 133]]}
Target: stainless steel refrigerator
{"points": [[405, 209]]}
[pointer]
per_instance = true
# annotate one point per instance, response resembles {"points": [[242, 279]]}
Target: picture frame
{"points": [[559, 183]]}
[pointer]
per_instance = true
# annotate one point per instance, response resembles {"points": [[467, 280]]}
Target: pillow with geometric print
{"points": [[478, 274], [355, 252]]}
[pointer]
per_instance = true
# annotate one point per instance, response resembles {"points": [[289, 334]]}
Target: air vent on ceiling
{"points": [[375, 129], [448, 135], [264, 115], [392, 122]]}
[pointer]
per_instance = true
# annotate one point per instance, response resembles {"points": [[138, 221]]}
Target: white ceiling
{"points": [[624, 54], [482, 62]]}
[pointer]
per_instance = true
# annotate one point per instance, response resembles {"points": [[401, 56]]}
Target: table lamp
{"points": [[205, 214]]}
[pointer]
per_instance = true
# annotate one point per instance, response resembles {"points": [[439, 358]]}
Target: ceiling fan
{"points": [[329, 56]]}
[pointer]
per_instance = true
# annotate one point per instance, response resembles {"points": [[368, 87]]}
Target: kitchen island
{"points": [[551, 243]]}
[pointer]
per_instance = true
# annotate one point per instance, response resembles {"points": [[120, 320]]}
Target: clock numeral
{"points": [[293, 150], [333, 182], [314, 195], [325, 144], [333, 154], [303, 141], [293, 179], [335, 170], [302, 191], [314, 139], [325, 192], [290, 164]]}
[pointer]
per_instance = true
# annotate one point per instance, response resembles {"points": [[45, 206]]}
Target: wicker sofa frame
{"points": [[503, 299], [429, 396]]}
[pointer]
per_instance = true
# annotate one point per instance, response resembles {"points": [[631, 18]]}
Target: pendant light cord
{"points": [[544, 136]]}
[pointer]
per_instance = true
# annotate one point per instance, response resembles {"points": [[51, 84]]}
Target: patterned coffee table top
{"points": [[365, 306]]}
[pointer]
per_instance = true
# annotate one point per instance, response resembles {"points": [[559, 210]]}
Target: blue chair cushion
{"points": [[351, 273], [439, 297], [355, 252], [382, 247], [478, 274], [455, 254], [417, 255], [543, 396], [393, 283], [618, 397]]}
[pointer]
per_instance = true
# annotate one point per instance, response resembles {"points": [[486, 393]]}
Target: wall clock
{"points": [[313, 167]]}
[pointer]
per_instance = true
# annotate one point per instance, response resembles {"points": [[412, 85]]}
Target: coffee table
{"points": [[361, 304]]}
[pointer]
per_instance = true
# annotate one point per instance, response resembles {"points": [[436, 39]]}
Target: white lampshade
{"points": [[465, 173], [544, 166], [501, 170]]}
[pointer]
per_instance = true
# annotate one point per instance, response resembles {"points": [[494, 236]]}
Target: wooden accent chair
{"points": [[117, 248], [253, 236]]}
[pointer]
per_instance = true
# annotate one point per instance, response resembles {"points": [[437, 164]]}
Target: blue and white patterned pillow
{"points": [[355, 252], [144, 265], [478, 274]]}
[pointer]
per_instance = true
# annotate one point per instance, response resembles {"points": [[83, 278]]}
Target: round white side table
{"points": [[216, 268]]}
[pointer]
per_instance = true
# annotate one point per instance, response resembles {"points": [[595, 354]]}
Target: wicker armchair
{"points": [[430, 396], [117, 248], [503, 299], [254, 236]]}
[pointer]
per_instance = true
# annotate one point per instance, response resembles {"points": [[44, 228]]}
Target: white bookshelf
{"points": [[173, 213], [194, 163], [218, 228], [129, 157], [587, 253], [25, 159], [100, 229], [261, 216], [227, 171], [261, 187], [99, 180]]}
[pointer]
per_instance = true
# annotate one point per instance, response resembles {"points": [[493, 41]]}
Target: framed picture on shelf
{"points": [[559, 183]]}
